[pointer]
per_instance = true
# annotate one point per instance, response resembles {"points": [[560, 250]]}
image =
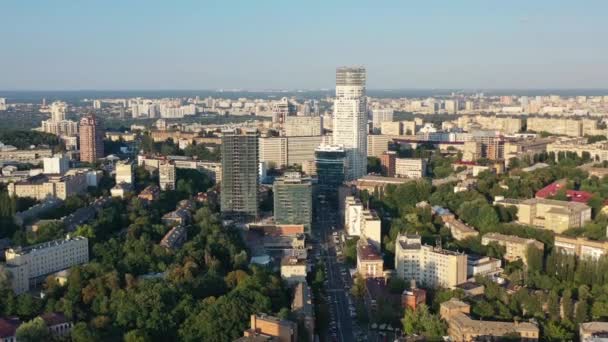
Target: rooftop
{"points": [[365, 251], [48, 244]]}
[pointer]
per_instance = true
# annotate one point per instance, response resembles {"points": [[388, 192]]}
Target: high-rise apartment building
{"points": [[91, 139], [303, 126], [57, 164], [240, 182], [58, 124], [329, 161], [166, 175], [293, 200], [380, 115], [410, 167], [58, 110], [387, 161], [428, 265], [350, 119]]}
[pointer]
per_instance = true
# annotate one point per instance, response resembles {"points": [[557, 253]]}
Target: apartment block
{"points": [[462, 328], [391, 128], [377, 144], [555, 215], [33, 156], [388, 160], [362, 222], [516, 248], [303, 126], [30, 265], [124, 172], [581, 247], [369, 261], [166, 176], [558, 126], [43, 186], [273, 150], [265, 326], [597, 151], [410, 167], [293, 269], [460, 230], [432, 266]]}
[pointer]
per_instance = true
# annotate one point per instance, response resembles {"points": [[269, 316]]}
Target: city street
{"points": [[342, 326]]}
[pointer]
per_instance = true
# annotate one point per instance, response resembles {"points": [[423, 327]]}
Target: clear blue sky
{"points": [[262, 44]]}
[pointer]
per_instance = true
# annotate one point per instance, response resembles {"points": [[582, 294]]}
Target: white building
{"points": [[124, 172], [410, 167], [30, 265], [57, 164], [58, 111], [166, 176], [428, 265], [380, 115], [362, 222], [350, 119], [2, 103]]}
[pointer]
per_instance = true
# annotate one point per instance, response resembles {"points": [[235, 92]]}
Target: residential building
{"points": [[329, 161], [557, 126], [31, 156], [377, 144], [377, 184], [273, 150], [410, 167], [432, 266], [293, 269], [91, 139], [8, 328], [388, 161], [303, 308], [350, 119], [413, 297], [581, 247], [30, 265], [58, 124], [593, 331], [166, 176], [573, 195], [269, 326], [460, 230], [555, 215], [293, 200], [57, 164], [150, 193], [124, 172], [597, 151], [380, 115], [177, 217], [175, 238], [58, 324], [302, 149], [516, 248], [362, 222], [240, 182], [462, 328], [42, 186], [482, 265], [391, 128], [303, 126], [369, 261]]}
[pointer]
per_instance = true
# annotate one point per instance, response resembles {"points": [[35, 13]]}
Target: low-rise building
{"points": [[31, 156], [150, 193], [460, 230], [42, 186], [516, 248], [555, 215], [177, 217], [8, 329], [410, 167], [413, 297], [593, 331], [302, 306], [281, 330], [432, 266], [581, 247], [369, 260], [30, 265], [293, 269], [377, 184], [175, 238], [462, 328], [482, 265]]}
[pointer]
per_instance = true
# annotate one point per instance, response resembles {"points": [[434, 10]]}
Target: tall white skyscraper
{"points": [[350, 119], [58, 110]]}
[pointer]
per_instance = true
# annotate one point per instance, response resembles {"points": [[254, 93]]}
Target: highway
{"points": [[342, 327]]}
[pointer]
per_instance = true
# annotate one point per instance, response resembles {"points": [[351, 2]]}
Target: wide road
{"points": [[343, 327]]}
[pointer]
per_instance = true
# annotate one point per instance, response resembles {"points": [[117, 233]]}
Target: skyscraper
{"points": [[330, 162], [350, 119], [240, 183], [293, 200], [91, 139]]}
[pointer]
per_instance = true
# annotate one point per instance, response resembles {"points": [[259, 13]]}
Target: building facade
{"points": [[293, 200], [91, 139], [329, 161]]}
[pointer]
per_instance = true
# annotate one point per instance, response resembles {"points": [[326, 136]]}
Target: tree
{"points": [[422, 322], [33, 331]]}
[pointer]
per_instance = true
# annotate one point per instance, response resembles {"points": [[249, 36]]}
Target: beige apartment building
{"points": [[377, 144], [303, 126], [30, 265], [410, 167], [516, 248], [557, 216], [391, 128], [558, 126], [581, 247], [460, 230], [597, 151], [369, 260], [270, 328], [33, 156], [432, 266], [274, 151], [302, 149], [507, 125], [462, 328], [43, 186]]}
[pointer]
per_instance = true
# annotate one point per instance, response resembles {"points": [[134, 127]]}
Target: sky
{"points": [[267, 44]]}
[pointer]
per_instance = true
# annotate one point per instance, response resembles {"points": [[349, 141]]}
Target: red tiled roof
{"points": [[8, 326], [573, 195]]}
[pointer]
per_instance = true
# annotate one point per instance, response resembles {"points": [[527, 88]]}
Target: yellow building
{"points": [[516, 248], [391, 128], [43, 186], [269, 326], [428, 265], [581, 247], [558, 126], [557, 216], [462, 328]]}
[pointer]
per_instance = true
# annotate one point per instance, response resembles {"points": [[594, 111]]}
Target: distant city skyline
{"points": [[156, 45]]}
